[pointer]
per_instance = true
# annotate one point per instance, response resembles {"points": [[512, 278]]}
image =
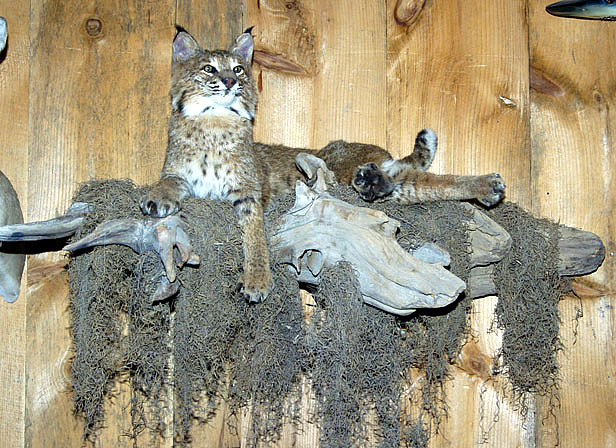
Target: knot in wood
{"points": [[406, 12], [94, 27]]}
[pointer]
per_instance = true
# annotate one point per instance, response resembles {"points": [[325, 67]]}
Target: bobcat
{"points": [[211, 154]]}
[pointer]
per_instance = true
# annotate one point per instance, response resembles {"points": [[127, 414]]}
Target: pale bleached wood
{"points": [[98, 108], [11, 264], [580, 252], [573, 163], [14, 98], [321, 231], [461, 68]]}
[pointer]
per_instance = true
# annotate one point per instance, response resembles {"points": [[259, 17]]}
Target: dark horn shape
{"points": [[584, 9]]}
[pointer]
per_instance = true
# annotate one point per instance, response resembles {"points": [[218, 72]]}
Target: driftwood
{"points": [[580, 253], [320, 230]]}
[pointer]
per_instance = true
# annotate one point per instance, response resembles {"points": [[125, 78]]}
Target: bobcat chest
{"points": [[206, 154], [212, 175]]}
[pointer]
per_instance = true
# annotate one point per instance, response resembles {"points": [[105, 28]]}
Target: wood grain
{"points": [[451, 71], [574, 161], [214, 23], [285, 114], [48, 378], [14, 80], [98, 103], [350, 100]]}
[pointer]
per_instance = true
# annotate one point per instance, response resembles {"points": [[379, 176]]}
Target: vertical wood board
{"points": [[451, 71], [574, 161], [98, 103], [85, 95]]}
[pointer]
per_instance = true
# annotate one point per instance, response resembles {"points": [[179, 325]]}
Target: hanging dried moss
{"points": [[432, 338], [214, 337], [208, 345], [109, 294], [529, 289]]}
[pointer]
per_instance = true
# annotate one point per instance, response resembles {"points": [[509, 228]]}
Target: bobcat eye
{"points": [[238, 69], [209, 69]]}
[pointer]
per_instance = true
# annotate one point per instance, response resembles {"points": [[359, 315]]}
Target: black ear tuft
{"points": [[180, 29], [249, 30], [184, 46]]}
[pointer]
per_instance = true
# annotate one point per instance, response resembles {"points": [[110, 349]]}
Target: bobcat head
{"points": [[213, 83]]}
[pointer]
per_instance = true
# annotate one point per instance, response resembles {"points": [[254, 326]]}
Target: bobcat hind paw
{"points": [[494, 190], [371, 182]]}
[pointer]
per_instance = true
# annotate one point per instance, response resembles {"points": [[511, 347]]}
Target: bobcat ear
{"points": [[244, 46], [184, 47]]}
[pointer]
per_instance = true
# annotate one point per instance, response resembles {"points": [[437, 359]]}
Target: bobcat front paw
{"points": [[157, 205], [371, 182], [492, 189], [255, 287]]}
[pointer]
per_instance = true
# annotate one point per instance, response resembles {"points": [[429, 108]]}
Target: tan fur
{"points": [[211, 154]]}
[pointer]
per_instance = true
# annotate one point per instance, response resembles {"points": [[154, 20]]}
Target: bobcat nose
{"points": [[228, 82]]}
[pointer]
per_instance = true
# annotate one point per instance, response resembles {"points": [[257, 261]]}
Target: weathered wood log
{"points": [[321, 230], [580, 253], [480, 282], [3, 33], [157, 235], [489, 243], [55, 228]]}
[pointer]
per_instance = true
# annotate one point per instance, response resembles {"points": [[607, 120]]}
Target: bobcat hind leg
{"points": [[373, 182]]}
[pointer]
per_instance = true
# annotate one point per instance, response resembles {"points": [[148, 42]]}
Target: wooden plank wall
{"points": [[84, 95]]}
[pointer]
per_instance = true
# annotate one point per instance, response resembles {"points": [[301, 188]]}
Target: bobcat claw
{"points": [[158, 207], [249, 295], [495, 189], [254, 293], [371, 182]]}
